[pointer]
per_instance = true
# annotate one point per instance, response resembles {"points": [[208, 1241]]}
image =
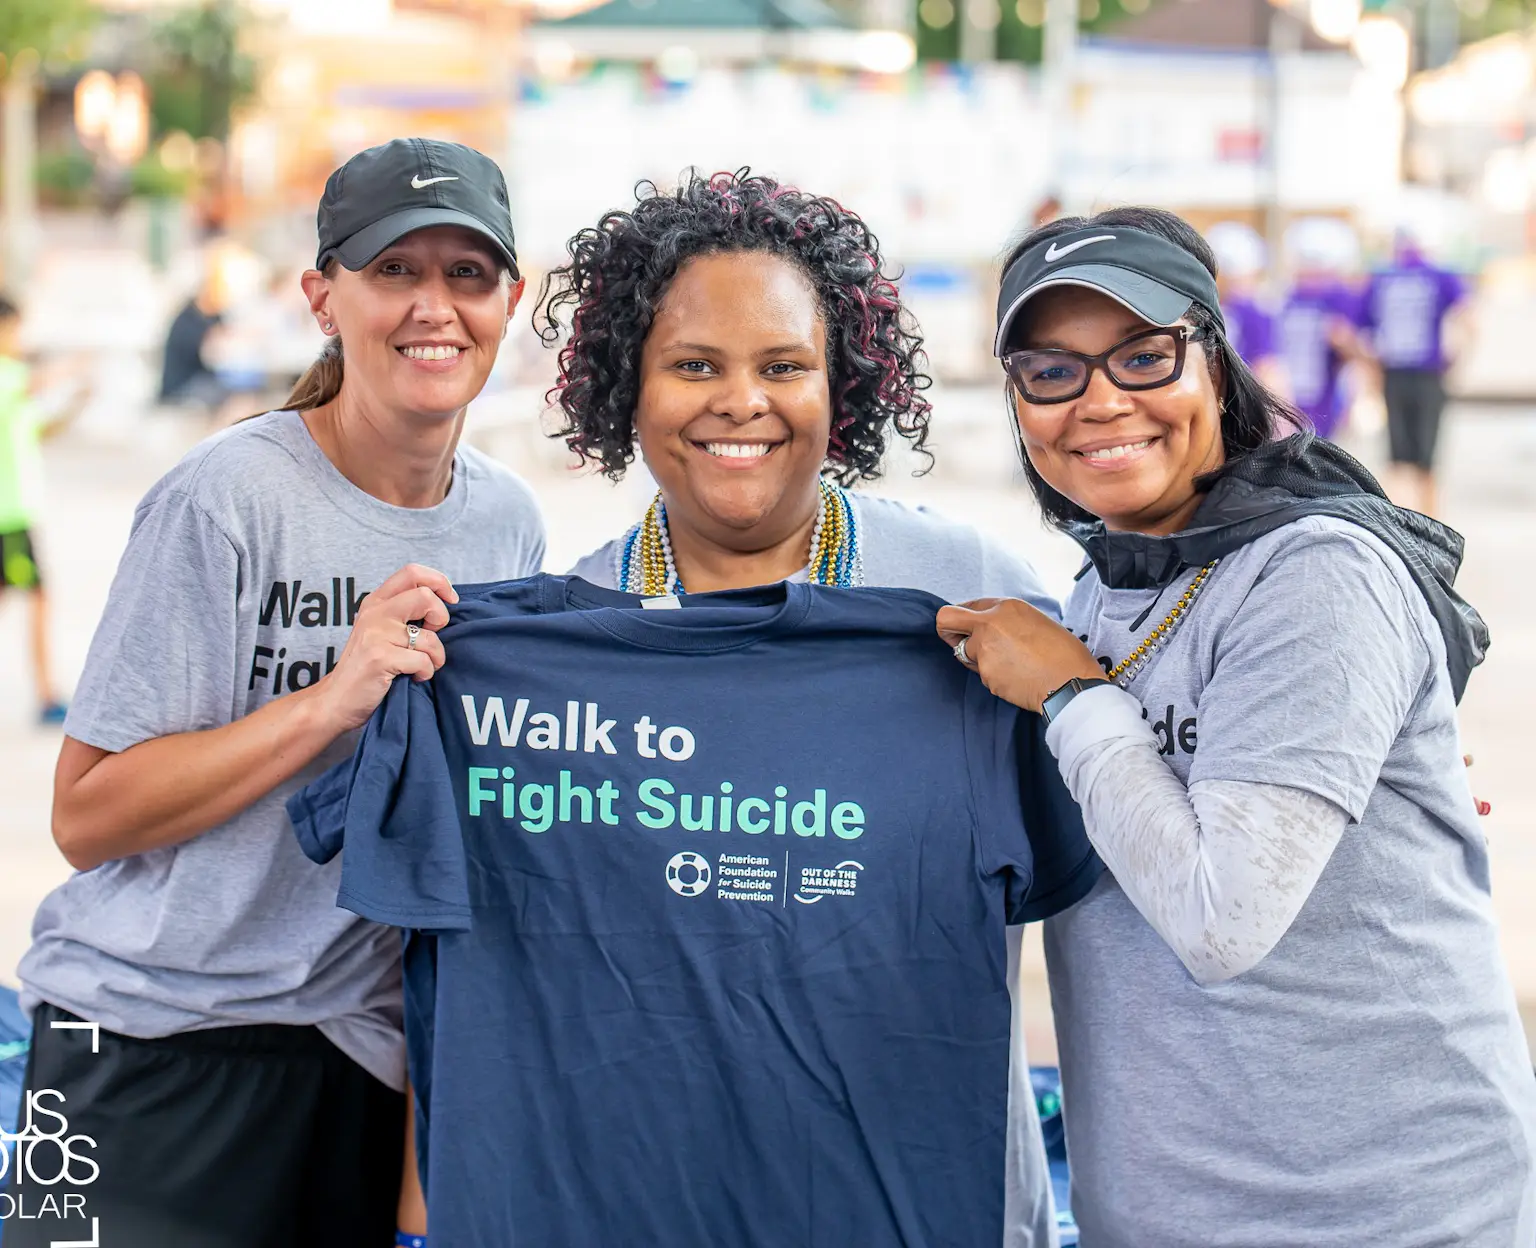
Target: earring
{"points": [[329, 327]]}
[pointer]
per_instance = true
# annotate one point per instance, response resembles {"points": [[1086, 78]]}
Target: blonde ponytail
{"points": [[321, 381]]}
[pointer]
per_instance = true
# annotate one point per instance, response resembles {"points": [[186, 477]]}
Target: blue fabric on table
{"points": [[15, 1038], [1046, 1081]]}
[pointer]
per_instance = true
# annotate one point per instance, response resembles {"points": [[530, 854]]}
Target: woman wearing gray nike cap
{"points": [[241, 1081]]}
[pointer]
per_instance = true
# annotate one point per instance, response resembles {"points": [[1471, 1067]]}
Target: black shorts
{"points": [[18, 561], [1415, 400], [239, 1137]]}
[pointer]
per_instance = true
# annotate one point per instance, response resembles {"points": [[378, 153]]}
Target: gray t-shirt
{"points": [[1367, 1082], [906, 547], [243, 571]]}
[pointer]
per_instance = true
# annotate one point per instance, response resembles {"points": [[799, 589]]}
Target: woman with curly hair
{"points": [[745, 337]]}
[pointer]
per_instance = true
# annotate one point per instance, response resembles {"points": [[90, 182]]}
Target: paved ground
{"points": [[99, 470]]}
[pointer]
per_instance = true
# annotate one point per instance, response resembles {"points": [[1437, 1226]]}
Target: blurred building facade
{"points": [[1219, 109]]}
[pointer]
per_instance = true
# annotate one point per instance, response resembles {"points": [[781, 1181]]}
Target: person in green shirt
{"points": [[21, 483]]}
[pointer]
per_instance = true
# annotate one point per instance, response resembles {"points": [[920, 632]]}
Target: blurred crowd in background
{"points": [[161, 160]]}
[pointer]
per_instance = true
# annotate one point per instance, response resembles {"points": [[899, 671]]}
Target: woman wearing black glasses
{"points": [[1283, 1014]]}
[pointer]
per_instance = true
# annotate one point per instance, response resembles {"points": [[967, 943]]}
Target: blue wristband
{"points": [[402, 1240]]}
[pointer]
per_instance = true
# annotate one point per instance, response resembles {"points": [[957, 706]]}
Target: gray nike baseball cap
{"points": [[1154, 278], [386, 192]]}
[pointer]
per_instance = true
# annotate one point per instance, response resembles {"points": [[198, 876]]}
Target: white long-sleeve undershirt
{"points": [[1219, 869]]}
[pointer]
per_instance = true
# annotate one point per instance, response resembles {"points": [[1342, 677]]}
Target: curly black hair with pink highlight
{"points": [[620, 271]]}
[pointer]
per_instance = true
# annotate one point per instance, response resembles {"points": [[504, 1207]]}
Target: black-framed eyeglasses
{"points": [[1144, 361]]}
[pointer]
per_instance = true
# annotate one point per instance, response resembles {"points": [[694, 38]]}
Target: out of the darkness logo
{"points": [[300, 604]]}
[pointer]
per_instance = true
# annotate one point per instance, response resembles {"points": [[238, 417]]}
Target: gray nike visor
{"points": [[1157, 280]]}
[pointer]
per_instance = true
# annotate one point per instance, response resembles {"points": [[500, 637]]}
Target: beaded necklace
{"points": [[1130, 667], [646, 565]]}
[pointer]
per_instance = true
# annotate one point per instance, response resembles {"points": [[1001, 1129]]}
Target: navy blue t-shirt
{"points": [[708, 909]]}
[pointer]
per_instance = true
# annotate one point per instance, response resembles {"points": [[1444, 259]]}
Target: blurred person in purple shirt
{"points": [[1403, 318], [1242, 260], [1317, 324], [1316, 341], [1250, 328]]}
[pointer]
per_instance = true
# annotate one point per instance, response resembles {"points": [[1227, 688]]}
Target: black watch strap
{"points": [[1056, 701]]}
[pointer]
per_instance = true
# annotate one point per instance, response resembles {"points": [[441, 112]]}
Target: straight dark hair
{"points": [[1251, 413]]}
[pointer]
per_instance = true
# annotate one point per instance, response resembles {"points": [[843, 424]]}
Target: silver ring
{"points": [[412, 632], [960, 652]]}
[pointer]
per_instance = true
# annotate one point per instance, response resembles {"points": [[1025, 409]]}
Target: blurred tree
{"points": [[1440, 26], [938, 30], [65, 177], [151, 179], [47, 27], [32, 34], [1482, 18], [1021, 22], [1020, 28], [202, 74]]}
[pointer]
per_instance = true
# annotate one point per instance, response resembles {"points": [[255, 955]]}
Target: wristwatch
{"points": [[1056, 701]]}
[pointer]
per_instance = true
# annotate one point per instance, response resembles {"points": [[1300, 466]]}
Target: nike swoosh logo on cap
{"points": [[418, 182], [1054, 253]]}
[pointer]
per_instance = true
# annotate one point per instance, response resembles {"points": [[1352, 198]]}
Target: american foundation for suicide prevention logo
{"points": [[688, 874]]}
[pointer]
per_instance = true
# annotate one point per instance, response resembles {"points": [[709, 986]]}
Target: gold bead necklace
{"points": [[1126, 671], [646, 565]]}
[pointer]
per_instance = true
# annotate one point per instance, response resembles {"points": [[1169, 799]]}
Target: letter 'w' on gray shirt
{"points": [[244, 570]]}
